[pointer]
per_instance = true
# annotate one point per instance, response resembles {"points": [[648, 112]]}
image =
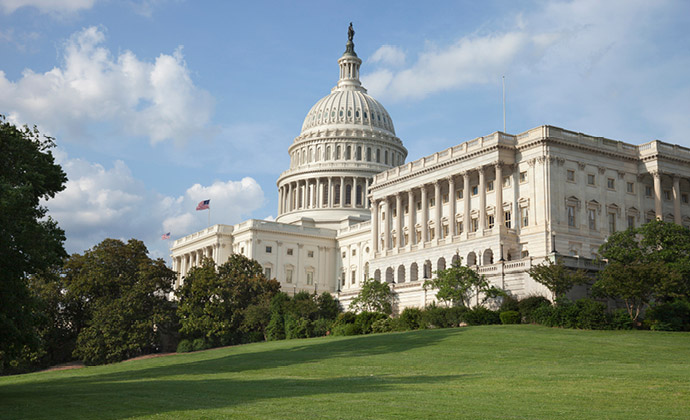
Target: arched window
{"points": [[336, 194], [385, 160], [359, 153], [337, 153], [368, 154], [378, 155], [389, 275], [471, 259], [348, 194], [348, 153], [441, 264], [359, 195], [414, 272], [328, 152], [401, 273]]}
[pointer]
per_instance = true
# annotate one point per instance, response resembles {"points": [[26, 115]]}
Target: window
{"points": [[432, 233], [368, 154], [289, 251], [394, 212], [419, 205], [378, 153], [611, 184], [612, 222], [475, 224], [631, 222], [524, 216], [344, 254], [507, 217], [432, 202], [592, 218], [523, 176], [630, 187], [445, 231], [475, 190], [310, 254], [506, 181], [490, 186], [358, 154], [684, 198], [445, 198], [406, 208], [354, 252], [571, 216], [336, 196], [267, 271], [242, 250], [269, 249], [310, 278], [570, 175], [591, 179], [490, 220], [524, 254], [647, 191], [337, 152], [348, 152], [288, 275], [458, 226], [667, 195], [342, 278], [353, 277], [385, 157], [458, 194]]}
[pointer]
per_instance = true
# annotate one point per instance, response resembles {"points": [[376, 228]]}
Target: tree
{"points": [[374, 296], [457, 284], [558, 278], [30, 241], [123, 294], [213, 300]]}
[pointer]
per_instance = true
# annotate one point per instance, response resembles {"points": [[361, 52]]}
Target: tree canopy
{"points": [[558, 278], [30, 241], [457, 284], [374, 296]]}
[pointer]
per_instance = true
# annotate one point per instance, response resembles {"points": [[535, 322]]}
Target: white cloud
{"points": [[389, 55], [157, 100], [47, 6], [101, 202]]}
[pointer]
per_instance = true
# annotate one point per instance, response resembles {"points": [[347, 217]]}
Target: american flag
{"points": [[203, 205], [165, 236]]}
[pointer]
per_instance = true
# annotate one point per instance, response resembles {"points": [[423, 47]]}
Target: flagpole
{"points": [[504, 104], [209, 216]]}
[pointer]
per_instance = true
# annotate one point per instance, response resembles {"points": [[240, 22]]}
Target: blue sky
{"points": [[159, 104]]}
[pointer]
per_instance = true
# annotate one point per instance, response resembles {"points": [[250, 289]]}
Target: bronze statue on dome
{"points": [[350, 33]]}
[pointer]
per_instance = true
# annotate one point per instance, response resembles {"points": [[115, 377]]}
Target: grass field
{"points": [[492, 372]]}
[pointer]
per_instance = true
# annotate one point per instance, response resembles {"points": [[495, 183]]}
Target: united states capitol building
{"points": [[352, 208]]}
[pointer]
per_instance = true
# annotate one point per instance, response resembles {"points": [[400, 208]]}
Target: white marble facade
{"points": [[350, 208]]}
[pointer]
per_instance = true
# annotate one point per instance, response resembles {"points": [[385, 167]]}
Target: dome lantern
{"points": [[349, 65]]}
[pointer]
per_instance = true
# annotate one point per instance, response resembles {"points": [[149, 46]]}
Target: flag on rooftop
{"points": [[165, 236], [203, 205]]}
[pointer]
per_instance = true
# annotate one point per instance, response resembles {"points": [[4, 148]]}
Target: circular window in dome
{"points": [[349, 113], [356, 114], [365, 115], [341, 112]]}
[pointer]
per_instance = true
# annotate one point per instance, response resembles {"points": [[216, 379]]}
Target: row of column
{"points": [[658, 208], [320, 193], [438, 214], [183, 263]]}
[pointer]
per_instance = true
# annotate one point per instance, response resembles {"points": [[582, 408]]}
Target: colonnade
{"points": [[426, 232], [658, 191], [323, 192], [183, 263]]}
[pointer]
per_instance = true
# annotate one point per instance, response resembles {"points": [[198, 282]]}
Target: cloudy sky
{"points": [[159, 104]]}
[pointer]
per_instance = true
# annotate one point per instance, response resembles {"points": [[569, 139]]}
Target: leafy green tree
{"points": [[457, 284], [30, 241], [374, 296], [558, 278], [213, 300], [122, 296]]}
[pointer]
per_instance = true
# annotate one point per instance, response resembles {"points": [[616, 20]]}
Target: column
{"points": [[657, 195], [425, 206], [280, 201], [375, 220], [387, 226], [330, 192], [366, 202], [498, 188], [399, 219], [439, 209], [482, 200], [451, 198], [353, 193], [410, 216], [466, 201], [676, 200], [342, 191]]}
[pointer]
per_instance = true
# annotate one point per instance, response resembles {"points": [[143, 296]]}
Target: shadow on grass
{"points": [[146, 391]]}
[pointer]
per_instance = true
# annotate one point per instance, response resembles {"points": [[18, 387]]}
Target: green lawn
{"points": [[493, 372]]}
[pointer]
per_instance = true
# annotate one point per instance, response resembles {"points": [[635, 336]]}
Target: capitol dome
{"points": [[347, 137]]}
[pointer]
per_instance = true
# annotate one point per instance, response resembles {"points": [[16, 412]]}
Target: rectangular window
{"points": [[570, 175], [490, 220], [475, 190], [342, 279], [289, 251], [269, 249], [630, 187], [310, 254], [310, 278], [432, 233], [631, 222], [353, 277], [507, 217], [445, 231], [524, 216], [571, 216], [288, 275], [524, 254], [267, 271], [667, 195], [458, 227], [354, 252], [458, 194], [523, 176], [647, 191], [475, 224], [591, 179], [490, 186], [445, 198], [612, 222], [592, 218], [684, 198], [432, 202], [506, 181], [611, 183]]}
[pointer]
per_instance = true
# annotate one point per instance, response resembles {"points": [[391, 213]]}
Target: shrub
{"points": [[455, 315], [276, 327], [382, 325], [620, 320], [435, 317], [344, 329], [669, 316], [510, 317], [200, 344], [321, 327], [365, 319], [527, 306], [510, 303], [412, 319], [592, 315], [184, 346], [481, 316], [296, 327]]}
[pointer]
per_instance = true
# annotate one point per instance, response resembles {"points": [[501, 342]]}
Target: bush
{"points": [[592, 315], [365, 319], [669, 316], [435, 317], [297, 327], [382, 325], [527, 306], [200, 344], [344, 329], [510, 317], [321, 327], [510, 303], [184, 346], [481, 316], [411, 319], [276, 327], [620, 320]]}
